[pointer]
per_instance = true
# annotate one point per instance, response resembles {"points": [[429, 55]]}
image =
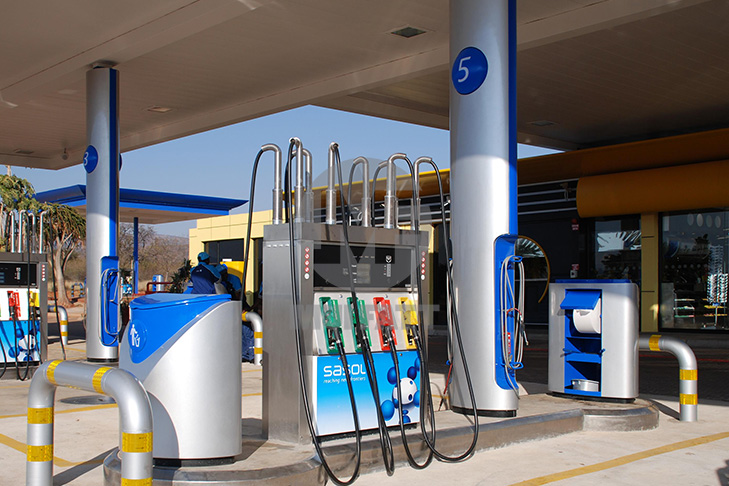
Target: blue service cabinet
{"points": [[593, 338], [186, 351]]}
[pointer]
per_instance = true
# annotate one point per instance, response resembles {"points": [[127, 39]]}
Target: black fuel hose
{"points": [[411, 459], [250, 222], [388, 456], [427, 403], [456, 327], [296, 300]]}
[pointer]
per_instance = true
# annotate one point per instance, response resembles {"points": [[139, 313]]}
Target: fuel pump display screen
{"points": [[16, 274], [374, 266]]}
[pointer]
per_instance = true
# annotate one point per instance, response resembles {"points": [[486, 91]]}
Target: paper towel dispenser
{"points": [[585, 307], [593, 338]]}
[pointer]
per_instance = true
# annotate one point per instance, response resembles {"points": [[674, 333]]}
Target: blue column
{"points": [[101, 162], [483, 186], [136, 255]]}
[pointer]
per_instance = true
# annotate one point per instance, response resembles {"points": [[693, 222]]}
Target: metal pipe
{"points": [[688, 371], [24, 220], [366, 198], [380, 166], [135, 418], [277, 183], [63, 322], [43, 213], [416, 185], [331, 193], [309, 191], [299, 186], [391, 193], [31, 229], [257, 324], [12, 230]]}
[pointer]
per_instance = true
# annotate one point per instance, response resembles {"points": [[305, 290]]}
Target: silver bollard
{"points": [[135, 414], [688, 371], [62, 322], [257, 324]]}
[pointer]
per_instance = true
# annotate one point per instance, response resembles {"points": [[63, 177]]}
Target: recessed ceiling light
{"points": [[542, 123], [159, 109], [408, 32], [23, 152]]}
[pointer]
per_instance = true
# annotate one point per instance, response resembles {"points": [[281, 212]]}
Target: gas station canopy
{"points": [[150, 207], [589, 73]]}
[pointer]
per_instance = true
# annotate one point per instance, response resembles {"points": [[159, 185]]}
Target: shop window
{"points": [[225, 250], [617, 249], [693, 270]]}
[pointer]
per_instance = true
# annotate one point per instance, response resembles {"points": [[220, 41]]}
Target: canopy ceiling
{"points": [[590, 73]]}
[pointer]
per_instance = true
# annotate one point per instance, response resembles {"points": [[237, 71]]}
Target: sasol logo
{"points": [[335, 371]]}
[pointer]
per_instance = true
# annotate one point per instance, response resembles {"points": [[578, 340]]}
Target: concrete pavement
{"points": [[86, 431]]}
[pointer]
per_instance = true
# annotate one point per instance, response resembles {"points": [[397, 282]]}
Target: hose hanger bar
{"points": [[308, 208], [277, 183], [331, 193], [391, 193], [366, 199]]}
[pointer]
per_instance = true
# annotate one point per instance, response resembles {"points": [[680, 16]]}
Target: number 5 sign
{"points": [[469, 70]]}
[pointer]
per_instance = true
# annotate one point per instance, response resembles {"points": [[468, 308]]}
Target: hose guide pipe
{"points": [[365, 207]]}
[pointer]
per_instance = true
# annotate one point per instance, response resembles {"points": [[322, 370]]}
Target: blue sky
{"points": [[219, 162]]}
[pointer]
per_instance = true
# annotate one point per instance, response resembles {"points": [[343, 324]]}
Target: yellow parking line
{"points": [[22, 448], [252, 394], [70, 410], [621, 461]]}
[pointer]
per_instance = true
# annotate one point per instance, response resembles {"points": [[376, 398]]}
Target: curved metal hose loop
{"points": [[366, 198]]}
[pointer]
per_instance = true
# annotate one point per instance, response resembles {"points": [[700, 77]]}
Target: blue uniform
{"points": [[203, 278]]}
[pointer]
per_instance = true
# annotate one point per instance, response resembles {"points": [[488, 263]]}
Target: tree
{"points": [[16, 194], [66, 231]]}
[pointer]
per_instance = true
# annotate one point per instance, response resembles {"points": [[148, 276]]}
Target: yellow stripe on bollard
{"points": [[688, 375], [40, 415], [688, 399], [258, 335], [42, 453], [137, 442], [98, 376], [136, 482], [51, 370], [257, 350], [653, 342]]}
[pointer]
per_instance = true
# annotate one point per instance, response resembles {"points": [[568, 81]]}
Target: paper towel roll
{"points": [[588, 320]]}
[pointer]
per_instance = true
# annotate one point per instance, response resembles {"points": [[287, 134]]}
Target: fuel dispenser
{"points": [[343, 316], [386, 270], [593, 338], [23, 320]]}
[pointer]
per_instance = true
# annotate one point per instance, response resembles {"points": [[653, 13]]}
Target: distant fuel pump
{"points": [[23, 320]]}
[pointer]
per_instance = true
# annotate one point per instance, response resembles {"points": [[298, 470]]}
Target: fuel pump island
{"points": [[345, 343]]}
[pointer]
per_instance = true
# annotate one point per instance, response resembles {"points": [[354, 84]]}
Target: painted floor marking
{"points": [[23, 448], [621, 461], [70, 410]]}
